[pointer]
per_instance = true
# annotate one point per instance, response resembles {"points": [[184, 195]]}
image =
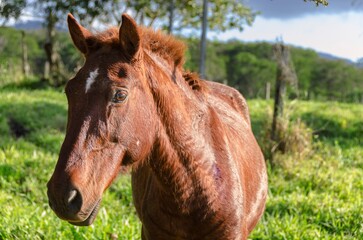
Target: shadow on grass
{"points": [[29, 84], [44, 122], [332, 130]]}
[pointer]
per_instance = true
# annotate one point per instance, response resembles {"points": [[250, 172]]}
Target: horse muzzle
{"points": [[68, 204]]}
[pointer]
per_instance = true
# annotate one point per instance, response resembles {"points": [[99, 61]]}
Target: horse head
{"points": [[110, 120]]}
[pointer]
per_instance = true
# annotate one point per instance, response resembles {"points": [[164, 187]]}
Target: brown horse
{"points": [[197, 170]]}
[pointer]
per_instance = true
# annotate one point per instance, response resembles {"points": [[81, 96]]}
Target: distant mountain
{"points": [[329, 56], [33, 25], [29, 25]]}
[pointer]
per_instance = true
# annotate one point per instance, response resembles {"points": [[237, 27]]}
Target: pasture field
{"points": [[315, 196]]}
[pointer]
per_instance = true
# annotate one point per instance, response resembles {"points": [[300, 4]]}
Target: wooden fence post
{"points": [[285, 74]]}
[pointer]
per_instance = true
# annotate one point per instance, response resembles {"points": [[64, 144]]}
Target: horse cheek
{"points": [[142, 139]]}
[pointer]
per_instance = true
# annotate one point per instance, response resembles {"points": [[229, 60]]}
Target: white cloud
{"points": [[338, 34]]}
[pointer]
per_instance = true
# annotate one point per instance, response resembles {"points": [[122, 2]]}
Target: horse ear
{"points": [[129, 35], [78, 33]]}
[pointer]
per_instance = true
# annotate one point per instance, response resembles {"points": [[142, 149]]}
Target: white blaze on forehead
{"points": [[91, 79]]}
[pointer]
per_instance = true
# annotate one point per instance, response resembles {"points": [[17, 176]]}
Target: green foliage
{"points": [[223, 14], [11, 54], [305, 61], [313, 197], [249, 66], [11, 9], [336, 80], [246, 66], [317, 2], [216, 61], [86, 10]]}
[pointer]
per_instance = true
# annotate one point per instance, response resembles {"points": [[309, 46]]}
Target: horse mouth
{"points": [[92, 216]]}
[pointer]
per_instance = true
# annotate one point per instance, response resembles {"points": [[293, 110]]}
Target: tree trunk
{"points": [[203, 42], [171, 16], [54, 74], [25, 64], [268, 90]]}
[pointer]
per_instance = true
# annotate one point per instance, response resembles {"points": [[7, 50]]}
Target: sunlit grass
{"points": [[319, 196]]}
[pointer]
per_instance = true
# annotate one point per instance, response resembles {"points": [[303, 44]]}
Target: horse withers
{"points": [[197, 170]]}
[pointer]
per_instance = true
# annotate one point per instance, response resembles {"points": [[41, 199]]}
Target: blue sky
{"points": [[336, 29]]}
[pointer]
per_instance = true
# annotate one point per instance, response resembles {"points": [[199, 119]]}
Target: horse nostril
{"points": [[74, 200], [72, 195]]}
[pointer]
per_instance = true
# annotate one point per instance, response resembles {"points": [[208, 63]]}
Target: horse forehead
{"points": [[93, 74]]}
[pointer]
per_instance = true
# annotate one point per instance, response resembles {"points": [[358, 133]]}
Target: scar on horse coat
{"points": [[197, 170]]}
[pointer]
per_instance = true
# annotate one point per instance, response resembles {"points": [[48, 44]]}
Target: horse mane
{"points": [[193, 80], [166, 46]]}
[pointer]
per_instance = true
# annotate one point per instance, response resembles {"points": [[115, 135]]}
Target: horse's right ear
{"points": [[78, 33]]}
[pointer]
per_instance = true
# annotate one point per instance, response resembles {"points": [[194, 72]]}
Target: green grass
{"points": [[317, 197]]}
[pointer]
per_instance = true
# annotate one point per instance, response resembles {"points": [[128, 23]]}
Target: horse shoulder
{"points": [[231, 96]]}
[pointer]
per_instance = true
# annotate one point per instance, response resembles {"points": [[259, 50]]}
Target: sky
{"points": [[336, 29]]}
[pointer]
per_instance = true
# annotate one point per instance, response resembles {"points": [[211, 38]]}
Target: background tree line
{"points": [[250, 67], [246, 66], [170, 14]]}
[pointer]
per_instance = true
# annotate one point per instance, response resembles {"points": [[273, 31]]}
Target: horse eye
{"points": [[119, 96]]}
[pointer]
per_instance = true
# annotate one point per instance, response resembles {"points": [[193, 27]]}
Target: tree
{"points": [[175, 15], [203, 39], [317, 2], [221, 15], [171, 16], [11, 9], [178, 14], [51, 11]]}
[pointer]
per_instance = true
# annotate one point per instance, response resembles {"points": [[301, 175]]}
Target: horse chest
{"points": [[170, 226], [161, 218]]}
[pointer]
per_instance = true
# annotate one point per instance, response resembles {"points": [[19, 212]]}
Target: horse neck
{"points": [[183, 159]]}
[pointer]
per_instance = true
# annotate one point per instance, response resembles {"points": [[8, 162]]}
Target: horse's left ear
{"points": [[129, 35]]}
